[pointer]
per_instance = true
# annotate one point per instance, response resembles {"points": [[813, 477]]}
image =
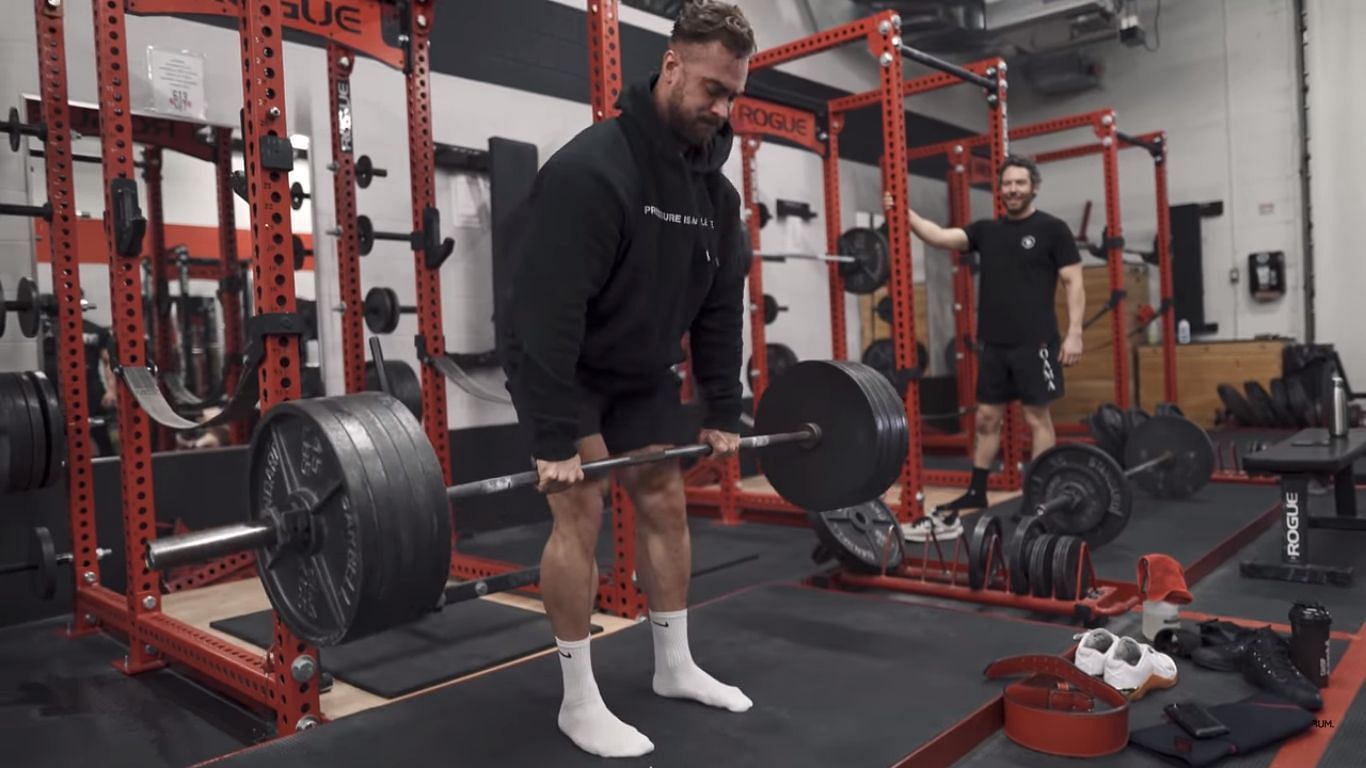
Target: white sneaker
{"points": [[1134, 668], [1094, 648], [942, 525]]}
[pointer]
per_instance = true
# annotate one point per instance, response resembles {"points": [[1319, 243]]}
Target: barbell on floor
{"points": [[1079, 489], [350, 518], [42, 563]]}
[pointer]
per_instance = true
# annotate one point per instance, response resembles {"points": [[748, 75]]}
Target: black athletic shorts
{"points": [[634, 419], [1030, 373]]}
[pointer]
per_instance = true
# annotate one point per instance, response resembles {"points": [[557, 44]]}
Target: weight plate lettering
{"points": [[834, 472], [345, 585], [1103, 501], [42, 554], [1191, 463], [861, 537], [1017, 551], [983, 535], [872, 264]]}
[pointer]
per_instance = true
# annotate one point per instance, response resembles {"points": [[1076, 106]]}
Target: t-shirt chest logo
{"points": [[1027, 242]]}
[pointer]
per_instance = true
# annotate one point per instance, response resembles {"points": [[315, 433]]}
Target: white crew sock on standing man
{"points": [[584, 716], [678, 676]]}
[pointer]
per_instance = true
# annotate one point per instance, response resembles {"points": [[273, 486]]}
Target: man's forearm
{"points": [[1076, 306]]}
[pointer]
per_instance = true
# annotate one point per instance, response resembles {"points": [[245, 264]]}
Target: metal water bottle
{"points": [[1337, 416]]}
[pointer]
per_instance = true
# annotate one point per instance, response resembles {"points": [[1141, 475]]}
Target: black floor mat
{"points": [[838, 680], [1186, 530], [460, 640], [1225, 592], [712, 546], [1349, 735], [62, 703], [1194, 683]]}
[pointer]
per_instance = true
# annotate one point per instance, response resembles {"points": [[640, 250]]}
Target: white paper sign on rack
{"points": [[177, 79]]}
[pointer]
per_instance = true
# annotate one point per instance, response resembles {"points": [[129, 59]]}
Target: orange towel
{"points": [[1160, 578]]}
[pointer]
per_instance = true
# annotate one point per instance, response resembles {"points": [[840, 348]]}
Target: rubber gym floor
{"points": [[838, 678]]}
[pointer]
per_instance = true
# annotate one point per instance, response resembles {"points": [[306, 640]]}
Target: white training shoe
{"points": [[1134, 668], [1094, 648], [940, 525]]}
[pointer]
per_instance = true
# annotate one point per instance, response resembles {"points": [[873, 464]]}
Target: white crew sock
{"points": [[678, 676], [584, 717]]}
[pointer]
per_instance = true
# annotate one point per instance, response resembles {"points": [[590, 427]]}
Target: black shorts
{"points": [[634, 419], [1030, 373]]}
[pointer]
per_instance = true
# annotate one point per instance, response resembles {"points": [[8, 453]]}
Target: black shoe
{"points": [[1267, 665], [1225, 646], [969, 500]]}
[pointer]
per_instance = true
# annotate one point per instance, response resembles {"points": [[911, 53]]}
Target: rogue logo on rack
{"points": [[324, 13], [757, 117]]}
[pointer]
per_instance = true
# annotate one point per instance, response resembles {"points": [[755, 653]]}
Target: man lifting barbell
{"points": [[633, 240], [1022, 255]]}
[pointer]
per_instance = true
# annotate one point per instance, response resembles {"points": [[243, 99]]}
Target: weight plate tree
{"points": [[349, 516]]}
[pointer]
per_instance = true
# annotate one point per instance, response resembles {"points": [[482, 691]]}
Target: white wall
{"points": [[18, 73], [1333, 61], [1223, 87]]}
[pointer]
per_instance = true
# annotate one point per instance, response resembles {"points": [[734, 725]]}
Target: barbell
{"points": [[42, 563], [864, 259], [1079, 489], [350, 518], [17, 129]]}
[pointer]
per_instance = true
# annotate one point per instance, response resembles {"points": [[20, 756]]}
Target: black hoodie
{"points": [[631, 240]]}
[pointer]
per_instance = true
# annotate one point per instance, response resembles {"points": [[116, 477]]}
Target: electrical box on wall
{"points": [[1266, 275]]}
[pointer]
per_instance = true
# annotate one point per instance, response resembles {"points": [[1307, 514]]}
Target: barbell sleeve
{"points": [[1062, 502], [198, 546], [531, 477]]}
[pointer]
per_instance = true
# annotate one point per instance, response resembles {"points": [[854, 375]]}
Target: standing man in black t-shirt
{"points": [[1022, 257]]}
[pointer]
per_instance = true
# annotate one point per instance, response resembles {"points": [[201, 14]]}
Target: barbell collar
{"points": [[493, 485], [203, 545]]}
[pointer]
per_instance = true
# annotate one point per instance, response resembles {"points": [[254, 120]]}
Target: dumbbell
{"points": [[297, 196], [17, 129], [382, 310], [366, 171], [1082, 490], [28, 306], [42, 563]]}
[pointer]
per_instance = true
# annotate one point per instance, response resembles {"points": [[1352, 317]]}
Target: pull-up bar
{"points": [[944, 66]]}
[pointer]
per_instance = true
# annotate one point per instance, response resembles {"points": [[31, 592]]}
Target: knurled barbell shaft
{"points": [[531, 477], [807, 257], [199, 546]]}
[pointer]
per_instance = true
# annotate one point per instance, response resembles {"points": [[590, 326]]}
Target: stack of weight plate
{"points": [[31, 432]]}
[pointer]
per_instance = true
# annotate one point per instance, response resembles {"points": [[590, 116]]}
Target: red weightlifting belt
{"points": [[1054, 710]]}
